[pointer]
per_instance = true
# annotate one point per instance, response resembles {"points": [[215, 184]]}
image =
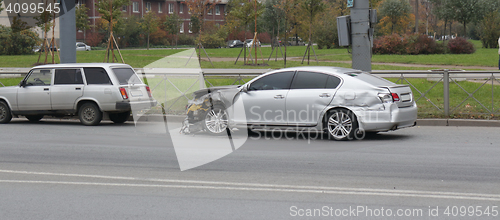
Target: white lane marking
{"points": [[252, 189], [254, 186]]}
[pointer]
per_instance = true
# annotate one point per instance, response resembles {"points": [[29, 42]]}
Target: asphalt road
{"points": [[63, 170]]}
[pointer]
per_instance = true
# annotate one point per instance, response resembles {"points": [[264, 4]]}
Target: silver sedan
{"points": [[338, 101]]}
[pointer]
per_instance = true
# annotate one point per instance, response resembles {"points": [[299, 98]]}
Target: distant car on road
{"points": [[338, 101], [292, 41], [84, 90], [249, 42], [234, 43], [82, 47]]}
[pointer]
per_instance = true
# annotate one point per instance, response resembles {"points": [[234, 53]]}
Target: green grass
{"points": [[135, 58], [10, 81], [468, 109]]}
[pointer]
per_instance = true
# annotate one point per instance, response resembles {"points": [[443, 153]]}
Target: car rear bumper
{"points": [[392, 118], [140, 105]]}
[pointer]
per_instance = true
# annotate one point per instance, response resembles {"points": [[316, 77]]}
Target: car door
{"points": [[264, 100], [35, 94], [309, 95], [68, 87]]}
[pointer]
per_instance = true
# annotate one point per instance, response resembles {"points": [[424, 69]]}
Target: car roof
{"points": [[327, 69], [72, 65]]}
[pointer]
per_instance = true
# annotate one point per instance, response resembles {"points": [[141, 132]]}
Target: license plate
{"points": [[405, 97], [136, 93]]}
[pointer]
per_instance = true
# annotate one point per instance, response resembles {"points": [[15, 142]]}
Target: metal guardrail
{"points": [[454, 94]]}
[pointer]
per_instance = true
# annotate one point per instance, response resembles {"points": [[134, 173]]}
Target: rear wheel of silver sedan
{"points": [[5, 114], [216, 120], [90, 114], [341, 124]]}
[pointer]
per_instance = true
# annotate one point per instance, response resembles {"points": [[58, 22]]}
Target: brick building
{"points": [[161, 8]]}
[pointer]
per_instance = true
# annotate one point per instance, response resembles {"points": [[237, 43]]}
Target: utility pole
{"points": [[361, 35], [67, 31]]}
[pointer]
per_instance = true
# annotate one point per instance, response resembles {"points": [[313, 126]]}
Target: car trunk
{"points": [[404, 93], [129, 80]]}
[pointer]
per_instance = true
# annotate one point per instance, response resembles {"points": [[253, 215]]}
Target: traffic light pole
{"points": [[360, 33]]}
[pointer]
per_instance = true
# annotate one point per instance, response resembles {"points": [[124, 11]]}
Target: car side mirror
{"points": [[22, 84], [244, 88]]}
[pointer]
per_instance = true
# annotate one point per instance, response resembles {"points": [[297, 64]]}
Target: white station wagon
{"points": [[86, 90]]}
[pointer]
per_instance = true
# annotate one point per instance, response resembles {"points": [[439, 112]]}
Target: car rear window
{"points": [[126, 76], [369, 78]]}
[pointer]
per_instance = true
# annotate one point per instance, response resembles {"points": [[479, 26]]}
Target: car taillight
{"points": [[149, 91], [124, 93], [395, 97], [385, 98]]}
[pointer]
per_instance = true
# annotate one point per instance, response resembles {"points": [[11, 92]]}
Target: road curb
{"points": [[420, 122], [458, 122]]}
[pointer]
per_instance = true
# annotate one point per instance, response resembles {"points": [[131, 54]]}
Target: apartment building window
{"points": [[190, 27], [148, 6], [124, 8], [182, 28], [170, 8], [159, 8], [181, 8], [217, 10], [210, 11], [135, 7], [189, 10]]}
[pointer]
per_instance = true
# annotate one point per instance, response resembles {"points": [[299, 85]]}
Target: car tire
{"points": [[119, 118], [34, 118], [90, 114], [341, 124], [5, 114], [216, 121]]}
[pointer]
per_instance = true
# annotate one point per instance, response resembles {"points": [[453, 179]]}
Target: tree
{"points": [[312, 8], [172, 25], [272, 19], [488, 35], [82, 19], [442, 9], [199, 8], [149, 24], [103, 7], [195, 24], [395, 11], [242, 12], [466, 11]]}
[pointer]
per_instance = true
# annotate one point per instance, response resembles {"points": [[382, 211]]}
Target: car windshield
{"points": [[126, 76]]}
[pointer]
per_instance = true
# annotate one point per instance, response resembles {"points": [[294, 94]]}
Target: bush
{"points": [[460, 45], [185, 39], [389, 44], [18, 42], [413, 44], [420, 44], [211, 41], [94, 39]]}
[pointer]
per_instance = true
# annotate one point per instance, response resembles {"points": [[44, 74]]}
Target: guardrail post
{"points": [[446, 92]]}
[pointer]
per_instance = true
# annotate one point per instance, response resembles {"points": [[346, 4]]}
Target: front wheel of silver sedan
{"points": [[216, 121], [341, 124]]}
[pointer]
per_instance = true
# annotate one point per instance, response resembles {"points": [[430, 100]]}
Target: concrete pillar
{"points": [[67, 31], [361, 45]]}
